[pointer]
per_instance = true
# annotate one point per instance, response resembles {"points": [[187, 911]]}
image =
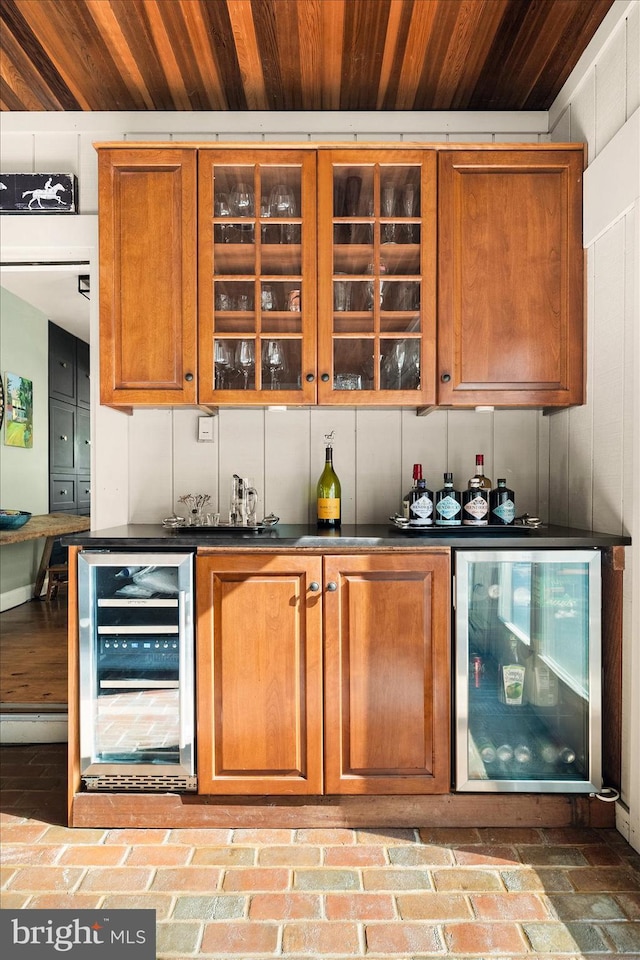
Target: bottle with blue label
{"points": [[502, 503], [448, 504]]}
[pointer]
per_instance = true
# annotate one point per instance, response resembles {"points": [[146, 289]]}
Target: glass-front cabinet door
{"points": [[528, 688], [377, 269], [257, 279]]}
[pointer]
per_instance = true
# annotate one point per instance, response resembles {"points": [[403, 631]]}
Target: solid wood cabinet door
{"points": [[148, 248], [387, 679], [259, 679], [510, 277]]}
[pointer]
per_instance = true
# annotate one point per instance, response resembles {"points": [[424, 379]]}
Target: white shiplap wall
{"points": [[594, 452]]}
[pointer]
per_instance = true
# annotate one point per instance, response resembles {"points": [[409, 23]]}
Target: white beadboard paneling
{"points": [[469, 432], [608, 378], [561, 132], [515, 441], [631, 426], [150, 466], [424, 440], [342, 422], [88, 169], [559, 468], [17, 152], [377, 135], [611, 90], [241, 451], [612, 181], [633, 59], [59, 154], [542, 507], [378, 459], [583, 116], [517, 138], [287, 490], [195, 463], [580, 467]]}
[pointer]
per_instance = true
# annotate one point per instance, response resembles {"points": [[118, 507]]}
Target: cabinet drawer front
{"points": [[260, 676], [62, 493], [387, 678]]}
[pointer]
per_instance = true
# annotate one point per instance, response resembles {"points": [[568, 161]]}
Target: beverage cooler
{"points": [[527, 671], [136, 660]]}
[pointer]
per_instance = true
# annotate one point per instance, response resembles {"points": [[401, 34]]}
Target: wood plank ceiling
{"points": [[290, 54]]}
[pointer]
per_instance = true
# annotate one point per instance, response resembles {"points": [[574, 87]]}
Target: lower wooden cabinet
{"points": [[323, 674], [259, 674]]}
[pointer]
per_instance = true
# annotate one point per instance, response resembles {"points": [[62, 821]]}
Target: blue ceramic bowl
{"points": [[10, 520]]}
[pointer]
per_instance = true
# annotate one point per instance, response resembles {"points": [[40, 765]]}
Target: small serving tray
{"points": [[225, 528], [491, 529]]}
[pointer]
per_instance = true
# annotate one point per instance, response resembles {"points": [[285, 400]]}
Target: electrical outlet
{"points": [[205, 429]]}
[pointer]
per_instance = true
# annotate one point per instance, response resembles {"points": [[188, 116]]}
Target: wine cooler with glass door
{"points": [[527, 684], [136, 666]]}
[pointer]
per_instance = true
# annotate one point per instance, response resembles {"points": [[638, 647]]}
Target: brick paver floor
{"points": [[324, 893]]}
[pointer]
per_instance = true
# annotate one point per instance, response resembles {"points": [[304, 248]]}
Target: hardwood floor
{"points": [[33, 654]]}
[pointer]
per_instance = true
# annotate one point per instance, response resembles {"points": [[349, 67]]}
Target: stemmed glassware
{"points": [[274, 360], [398, 353], [388, 209], [222, 362], [409, 208], [246, 359], [221, 208], [282, 203], [241, 204]]}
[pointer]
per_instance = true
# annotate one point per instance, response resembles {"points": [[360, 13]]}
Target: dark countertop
{"points": [[137, 536]]}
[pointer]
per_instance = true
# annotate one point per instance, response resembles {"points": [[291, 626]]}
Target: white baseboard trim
{"points": [[33, 728], [13, 598]]}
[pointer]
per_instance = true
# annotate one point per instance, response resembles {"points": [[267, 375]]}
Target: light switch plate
{"points": [[205, 429]]}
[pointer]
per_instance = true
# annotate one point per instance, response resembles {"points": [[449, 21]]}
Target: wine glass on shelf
{"points": [[241, 205], [388, 209], [398, 354], [222, 363], [282, 203], [409, 208], [246, 359], [274, 360], [221, 208]]}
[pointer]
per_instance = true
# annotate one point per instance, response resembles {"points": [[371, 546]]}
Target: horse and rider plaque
{"points": [[38, 193]]}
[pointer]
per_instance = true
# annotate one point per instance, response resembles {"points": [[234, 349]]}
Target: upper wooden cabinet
{"points": [[404, 276], [148, 259], [510, 277]]}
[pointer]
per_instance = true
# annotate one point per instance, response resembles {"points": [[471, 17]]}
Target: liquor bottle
{"points": [[448, 504], [475, 505], [328, 492], [421, 509], [485, 482], [511, 677], [409, 497], [502, 503]]}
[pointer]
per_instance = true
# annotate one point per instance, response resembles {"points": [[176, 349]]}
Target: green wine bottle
{"points": [[329, 492]]}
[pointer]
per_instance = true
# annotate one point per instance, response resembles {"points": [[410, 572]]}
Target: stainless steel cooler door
{"points": [[528, 661], [136, 664]]}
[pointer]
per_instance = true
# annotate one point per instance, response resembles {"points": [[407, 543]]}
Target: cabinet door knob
{"points": [[88, 442], [332, 587], [63, 437], [310, 378], [63, 363], [63, 493], [314, 586], [188, 377], [325, 377], [446, 377]]}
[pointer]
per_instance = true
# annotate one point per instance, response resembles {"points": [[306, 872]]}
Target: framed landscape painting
{"points": [[18, 424]]}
